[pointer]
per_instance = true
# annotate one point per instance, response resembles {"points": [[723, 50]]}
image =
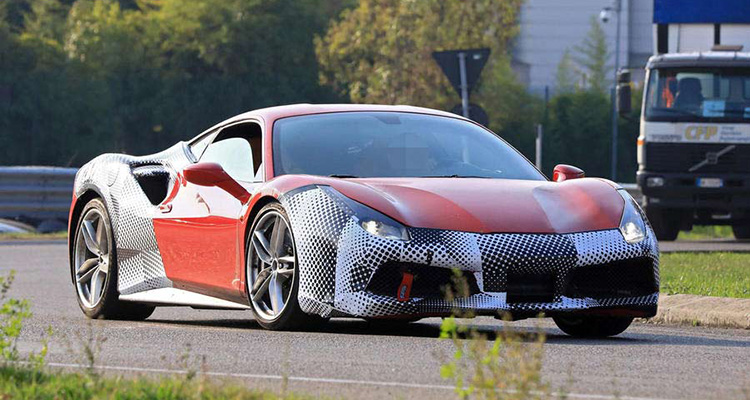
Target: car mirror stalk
{"points": [[212, 174]]}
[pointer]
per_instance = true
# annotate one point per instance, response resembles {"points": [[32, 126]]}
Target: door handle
{"points": [[165, 208]]}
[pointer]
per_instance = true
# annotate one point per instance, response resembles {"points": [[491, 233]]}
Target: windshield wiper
{"points": [[343, 176], [675, 111]]}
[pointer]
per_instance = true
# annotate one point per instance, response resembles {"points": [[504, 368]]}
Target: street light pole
{"points": [[617, 9]]}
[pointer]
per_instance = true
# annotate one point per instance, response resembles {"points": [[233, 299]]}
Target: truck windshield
{"points": [[698, 94]]}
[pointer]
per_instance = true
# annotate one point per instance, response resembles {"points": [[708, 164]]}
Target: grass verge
{"points": [[706, 274], [25, 383], [707, 233], [33, 236]]}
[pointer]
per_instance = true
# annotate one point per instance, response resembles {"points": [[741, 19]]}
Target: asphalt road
{"points": [[349, 359]]}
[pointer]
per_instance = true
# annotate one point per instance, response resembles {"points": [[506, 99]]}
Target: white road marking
{"points": [[320, 380]]}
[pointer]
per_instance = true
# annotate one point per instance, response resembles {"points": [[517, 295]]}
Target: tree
{"points": [[566, 77], [380, 51], [593, 55]]}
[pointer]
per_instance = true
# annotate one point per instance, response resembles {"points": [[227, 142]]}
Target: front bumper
{"points": [[345, 271]]}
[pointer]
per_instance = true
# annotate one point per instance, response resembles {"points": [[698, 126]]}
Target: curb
{"points": [[718, 312]]}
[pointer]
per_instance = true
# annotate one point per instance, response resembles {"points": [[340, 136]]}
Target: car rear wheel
{"points": [[741, 231], [272, 273], [665, 223], [94, 268], [592, 327]]}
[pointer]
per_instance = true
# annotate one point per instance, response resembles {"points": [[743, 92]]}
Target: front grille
{"points": [[624, 278], [429, 282], [680, 157], [530, 287]]}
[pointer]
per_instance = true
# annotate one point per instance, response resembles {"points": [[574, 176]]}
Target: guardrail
{"points": [[36, 194]]}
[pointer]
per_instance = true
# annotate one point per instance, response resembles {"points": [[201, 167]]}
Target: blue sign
{"points": [[701, 11]]}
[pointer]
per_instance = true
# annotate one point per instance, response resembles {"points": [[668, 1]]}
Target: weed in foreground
{"points": [[508, 367]]}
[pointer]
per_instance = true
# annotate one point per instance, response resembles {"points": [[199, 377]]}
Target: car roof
{"points": [[293, 110], [271, 114]]}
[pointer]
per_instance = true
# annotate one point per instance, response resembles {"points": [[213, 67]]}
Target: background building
{"points": [[549, 27]]}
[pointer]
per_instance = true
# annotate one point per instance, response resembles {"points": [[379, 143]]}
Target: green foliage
{"points": [[592, 55], [508, 367], [22, 383], [93, 76], [705, 274], [380, 51], [12, 314]]}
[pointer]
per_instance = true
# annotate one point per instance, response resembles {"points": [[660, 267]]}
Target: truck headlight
{"points": [[654, 181], [632, 226]]}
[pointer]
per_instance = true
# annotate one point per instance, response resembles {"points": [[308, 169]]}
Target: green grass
{"points": [[21, 383], [707, 232], [33, 236], [706, 274]]}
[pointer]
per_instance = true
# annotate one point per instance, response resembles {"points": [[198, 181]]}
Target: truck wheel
{"points": [[664, 224], [741, 231]]}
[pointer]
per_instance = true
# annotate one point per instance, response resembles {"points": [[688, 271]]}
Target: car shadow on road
{"points": [[419, 329]]}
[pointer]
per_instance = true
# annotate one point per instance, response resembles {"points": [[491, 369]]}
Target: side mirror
{"points": [[623, 104], [564, 172], [212, 174]]}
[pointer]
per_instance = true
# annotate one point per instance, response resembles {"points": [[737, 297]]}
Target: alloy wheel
{"points": [[92, 258], [271, 265]]}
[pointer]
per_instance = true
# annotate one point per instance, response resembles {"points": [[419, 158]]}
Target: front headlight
{"points": [[632, 226], [372, 221]]}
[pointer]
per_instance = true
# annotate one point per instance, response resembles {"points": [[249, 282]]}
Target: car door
{"points": [[199, 229]]}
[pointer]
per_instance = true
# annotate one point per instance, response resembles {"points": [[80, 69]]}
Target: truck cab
{"points": [[694, 142]]}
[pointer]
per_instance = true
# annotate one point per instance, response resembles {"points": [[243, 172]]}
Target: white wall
{"points": [[548, 27]]}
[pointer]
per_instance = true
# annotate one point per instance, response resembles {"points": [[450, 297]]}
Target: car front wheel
{"points": [[272, 273]]}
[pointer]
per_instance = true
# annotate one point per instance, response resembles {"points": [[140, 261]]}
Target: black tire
{"points": [[741, 232], [291, 317], [109, 305], [592, 327], [663, 222]]}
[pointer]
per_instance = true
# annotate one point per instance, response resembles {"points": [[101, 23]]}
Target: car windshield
{"points": [[699, 94], [393, 144]]}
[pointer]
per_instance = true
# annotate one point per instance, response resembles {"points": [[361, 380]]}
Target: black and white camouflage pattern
{"points": [[337, 259]]}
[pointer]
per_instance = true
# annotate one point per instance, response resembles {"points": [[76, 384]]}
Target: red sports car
{"points": [[306, 212]]}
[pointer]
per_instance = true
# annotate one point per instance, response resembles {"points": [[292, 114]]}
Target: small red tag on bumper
{"points": [[404, 289]]}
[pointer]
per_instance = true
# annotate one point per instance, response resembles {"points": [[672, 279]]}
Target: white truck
{"points": [[694, 142]]}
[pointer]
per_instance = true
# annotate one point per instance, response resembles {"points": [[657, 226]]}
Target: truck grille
{"points": [[680, 157]]}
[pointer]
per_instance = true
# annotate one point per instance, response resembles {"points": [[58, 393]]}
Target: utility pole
{"points": [[604, 16], [464, 84]]}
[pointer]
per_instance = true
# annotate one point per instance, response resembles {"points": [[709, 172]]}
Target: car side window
{"points": [[199, 146], [238, 149]]}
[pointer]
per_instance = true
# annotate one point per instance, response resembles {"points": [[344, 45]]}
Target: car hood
{"points": [[490, 205]]}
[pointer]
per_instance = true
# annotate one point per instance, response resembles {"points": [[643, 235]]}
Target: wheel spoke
{"points": [[276, 294], [277, 236], [89, 236], [260, 287], [90, 271], [104, 264], [260, 244], [101, 236], [96, 287], [286, 259], [87, 266], [285, 274]]}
